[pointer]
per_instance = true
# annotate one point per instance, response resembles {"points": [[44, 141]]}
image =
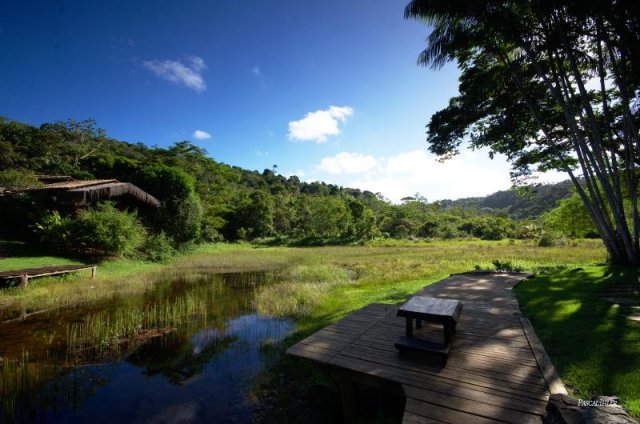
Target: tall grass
{"points": [[329, 282], [375, 264], [302, 290], [109, 331]]}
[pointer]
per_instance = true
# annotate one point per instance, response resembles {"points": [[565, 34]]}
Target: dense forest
{"points": [[530, 203], [205, 200]]}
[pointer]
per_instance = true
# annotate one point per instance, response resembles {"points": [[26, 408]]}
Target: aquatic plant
{"points": [[110, 331]]}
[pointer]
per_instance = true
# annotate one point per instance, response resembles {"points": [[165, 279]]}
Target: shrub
{"points": [[547, 240], [181, 213], [182, 217], [107, 231], [507, 266], [55, 232], [159, 248]]}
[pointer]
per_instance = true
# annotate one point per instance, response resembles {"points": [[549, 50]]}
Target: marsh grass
{"points": [[107, 332], [330, 282], [105, 335], [369, 268], [303, 288]]}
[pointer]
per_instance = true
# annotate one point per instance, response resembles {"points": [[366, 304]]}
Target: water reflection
{"points": [[184, 352]]}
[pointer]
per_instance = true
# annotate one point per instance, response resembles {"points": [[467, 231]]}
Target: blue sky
{"points": [[325, 90]]}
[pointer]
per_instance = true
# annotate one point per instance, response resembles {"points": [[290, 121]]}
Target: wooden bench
{"points": [[433, 310], [25, 274]]}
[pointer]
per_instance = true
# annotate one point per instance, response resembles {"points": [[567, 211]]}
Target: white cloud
{"points": [[201, 135], [317, 126], [188, 74], [347, 163], [469, 174], [256, 70]]}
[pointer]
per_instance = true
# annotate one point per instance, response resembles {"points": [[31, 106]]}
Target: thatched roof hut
{"points": [[79, 193]]}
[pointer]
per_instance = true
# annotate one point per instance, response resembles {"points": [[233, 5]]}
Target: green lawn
{"points": [[17, 255], [594, 347]]}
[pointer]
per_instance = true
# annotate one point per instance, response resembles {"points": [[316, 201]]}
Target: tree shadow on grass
{"points": [[591, 342]]}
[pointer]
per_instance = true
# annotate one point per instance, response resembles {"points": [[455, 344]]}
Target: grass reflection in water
{"points": [[72, 362]]}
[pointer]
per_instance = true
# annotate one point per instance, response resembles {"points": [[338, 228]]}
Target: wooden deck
{"points": [[492, 374], [25, 274]]}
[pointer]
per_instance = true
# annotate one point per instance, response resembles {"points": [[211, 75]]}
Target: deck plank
{"points": [[492, 374]]}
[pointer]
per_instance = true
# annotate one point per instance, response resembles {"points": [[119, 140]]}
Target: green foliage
{"points": [[570, 218], [531, 230], [56, 233], [182, 218], [329, 217], [108, 231], [507, 266], [159, 248], [489, 227], [547, 240], [253, 218], [525, 92], [363, 220], [181, 213], [18, 178], [101, 231], [516, 202]]}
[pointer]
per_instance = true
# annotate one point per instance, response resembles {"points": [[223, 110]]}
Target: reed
{"points": [[110, 331]]}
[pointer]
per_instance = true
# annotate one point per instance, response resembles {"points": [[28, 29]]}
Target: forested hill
{"points": [[203, 199], [539, 200]]}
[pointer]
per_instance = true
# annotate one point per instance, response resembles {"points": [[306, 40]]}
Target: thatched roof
{"points": [[69, 185], [107, 190], [79, 193]]}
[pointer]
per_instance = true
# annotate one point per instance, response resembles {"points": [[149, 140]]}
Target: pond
{"points": [[186, 351]]}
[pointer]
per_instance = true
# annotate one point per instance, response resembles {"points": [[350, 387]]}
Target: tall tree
{"points": [[552, 85]]}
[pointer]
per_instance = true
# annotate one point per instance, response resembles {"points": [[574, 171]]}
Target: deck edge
{"points": [[555, 384]]}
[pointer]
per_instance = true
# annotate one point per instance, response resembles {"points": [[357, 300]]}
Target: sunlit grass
{"points": [[369, 268], [302, 290]]}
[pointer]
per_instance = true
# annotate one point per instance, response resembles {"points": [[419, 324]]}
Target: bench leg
{"points": [[409, 327], [449, 331], [24, 281], [93, 272]]}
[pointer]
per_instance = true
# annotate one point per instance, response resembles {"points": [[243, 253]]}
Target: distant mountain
{"points": [[541, 199]]}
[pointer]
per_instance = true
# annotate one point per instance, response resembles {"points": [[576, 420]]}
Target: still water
{"points": [[185, 352]]}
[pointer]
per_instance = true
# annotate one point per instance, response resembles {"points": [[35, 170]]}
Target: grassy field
{"points": [[322, 284], [364, 272]]}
